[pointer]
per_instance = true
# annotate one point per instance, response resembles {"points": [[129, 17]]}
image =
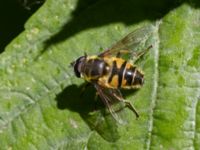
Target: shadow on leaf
{"points": [[90, 14], [92, 111]]}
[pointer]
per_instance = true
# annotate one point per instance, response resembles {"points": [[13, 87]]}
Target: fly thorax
{"points": [[95, 68]]}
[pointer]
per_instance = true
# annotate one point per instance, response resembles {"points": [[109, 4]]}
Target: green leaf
{"points": [[40, 103]]}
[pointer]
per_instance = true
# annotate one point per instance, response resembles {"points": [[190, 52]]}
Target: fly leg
{"points": [[118, 95], [96, 101], [131, 107], [84, 87]]}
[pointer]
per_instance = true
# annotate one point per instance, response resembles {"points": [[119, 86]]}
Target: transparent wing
{"points": [[129, 42], [110, 97]]}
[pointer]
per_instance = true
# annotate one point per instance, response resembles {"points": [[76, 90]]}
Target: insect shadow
{"points": [[91, 109]]}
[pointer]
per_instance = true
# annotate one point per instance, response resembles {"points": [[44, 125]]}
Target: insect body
{"points": [[109, 72]]}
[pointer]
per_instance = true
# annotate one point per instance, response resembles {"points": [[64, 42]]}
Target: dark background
{"points": [[14, 14]]}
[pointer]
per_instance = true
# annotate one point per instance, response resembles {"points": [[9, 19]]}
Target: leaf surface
{"points": [[40, 106]]}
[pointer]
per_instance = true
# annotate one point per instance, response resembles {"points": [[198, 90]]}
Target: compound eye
{"points": [[77, 66], [76, 70]]}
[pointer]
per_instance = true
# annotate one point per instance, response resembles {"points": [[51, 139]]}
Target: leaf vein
{"points": [[155, 85]]}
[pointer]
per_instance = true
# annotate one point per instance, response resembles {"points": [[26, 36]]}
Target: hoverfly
{"points": [[109, 72]]}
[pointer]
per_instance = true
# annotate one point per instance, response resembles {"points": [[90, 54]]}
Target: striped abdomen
{"points": [[123, 75]]}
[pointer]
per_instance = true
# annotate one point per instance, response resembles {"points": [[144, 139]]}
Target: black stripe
{"points": [[121, 71], [117, 71], [114, 71], [138, 79], [129, 75]]}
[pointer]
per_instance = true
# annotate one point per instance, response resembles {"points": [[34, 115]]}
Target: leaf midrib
{"points": [[155, 84]]}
